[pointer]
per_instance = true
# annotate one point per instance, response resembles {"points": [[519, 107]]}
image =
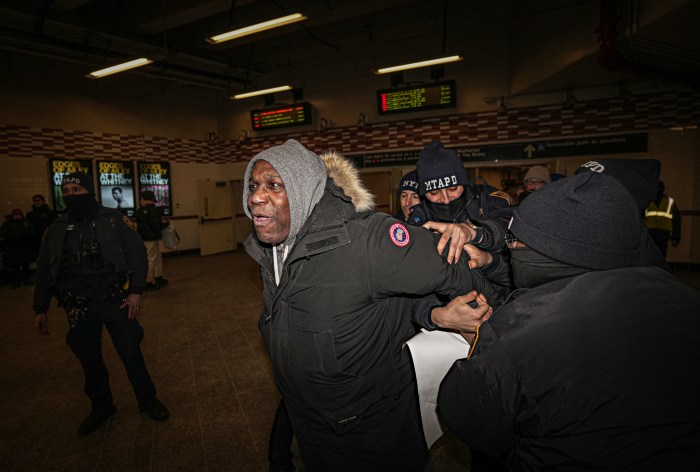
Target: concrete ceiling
{"points": [[653, 37]]}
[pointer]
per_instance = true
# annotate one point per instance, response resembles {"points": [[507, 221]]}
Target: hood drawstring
{"points": [[279, 264]]}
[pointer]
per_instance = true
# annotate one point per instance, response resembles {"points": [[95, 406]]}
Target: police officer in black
{"points": [[93, 261]]}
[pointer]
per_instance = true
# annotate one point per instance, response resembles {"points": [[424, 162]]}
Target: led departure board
{"points": [[417, 98], [281, 116]]}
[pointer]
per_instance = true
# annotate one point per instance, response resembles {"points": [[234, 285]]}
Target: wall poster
{"points": [[155, 176], [116, 184], [60, 167]]}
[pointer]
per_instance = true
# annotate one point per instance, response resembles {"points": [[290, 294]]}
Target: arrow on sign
{"points": [[529, 150]]}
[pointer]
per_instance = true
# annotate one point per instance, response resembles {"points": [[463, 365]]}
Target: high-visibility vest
{"points": [[654, 218]]}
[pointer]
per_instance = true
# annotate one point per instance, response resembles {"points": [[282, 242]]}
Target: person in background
{"points": [[536, 178], [337, 279], [93, 261], [41, 217], [407, 194], [592, 363], [462, 211], [17, 236], [663, 220], [150, 223]]}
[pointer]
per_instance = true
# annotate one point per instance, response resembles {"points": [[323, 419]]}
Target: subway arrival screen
{"points": [[417, 98], [288, 115]]}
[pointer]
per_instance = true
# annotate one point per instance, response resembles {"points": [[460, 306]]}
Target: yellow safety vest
{"points": [[654, 218]]}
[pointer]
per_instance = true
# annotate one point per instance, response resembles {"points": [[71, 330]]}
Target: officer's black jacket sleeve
{"points": [[492, 232], [135, 253]]}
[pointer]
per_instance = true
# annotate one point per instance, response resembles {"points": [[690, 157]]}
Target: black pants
{"points": [[85, 340]]}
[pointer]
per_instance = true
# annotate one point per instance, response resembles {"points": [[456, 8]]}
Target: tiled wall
{"points": [[24, 151], [654, 111]]}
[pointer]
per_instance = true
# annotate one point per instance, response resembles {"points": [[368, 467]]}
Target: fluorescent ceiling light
{"points": [[265, 25], [416, 65], [119, 68], [262, 92]]}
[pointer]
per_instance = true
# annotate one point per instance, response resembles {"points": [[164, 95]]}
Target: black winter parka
{"points": [[336, 324], [599, 371]]}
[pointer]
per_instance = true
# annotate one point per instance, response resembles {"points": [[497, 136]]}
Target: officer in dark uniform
{"points": [[93, 261], [463, 211]]}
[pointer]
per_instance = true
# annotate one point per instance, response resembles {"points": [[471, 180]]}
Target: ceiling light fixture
{"points": [[119, 68], [262, 92], [417, 65], [265, 25]]}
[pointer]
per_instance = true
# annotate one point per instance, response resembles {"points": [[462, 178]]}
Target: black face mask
{"points": [[81, 206], [530, 268], [448, 211]]}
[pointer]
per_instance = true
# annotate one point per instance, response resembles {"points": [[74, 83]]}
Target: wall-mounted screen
{"points": [[115, 180], [155, 176], [281, 116], [417, 98], [60, 167]]}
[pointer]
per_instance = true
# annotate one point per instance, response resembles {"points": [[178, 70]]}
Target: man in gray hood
{"points": [[337, 279]]}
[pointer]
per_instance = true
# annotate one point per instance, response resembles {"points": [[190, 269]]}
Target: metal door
{"points": [[215, 217]]}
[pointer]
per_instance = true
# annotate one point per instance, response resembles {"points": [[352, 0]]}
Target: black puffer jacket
{"points": [[594, 372], [336, 324]]}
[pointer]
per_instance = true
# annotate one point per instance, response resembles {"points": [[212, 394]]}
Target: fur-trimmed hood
{"points": [[346, 176]]}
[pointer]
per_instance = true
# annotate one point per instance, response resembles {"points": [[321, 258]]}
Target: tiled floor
{"points": [[206, 356], [204, 352]]}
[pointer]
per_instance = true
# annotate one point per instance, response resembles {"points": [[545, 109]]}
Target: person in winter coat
{"points": [[592, 363], [17, 236], [150, 223], [41, 217], [337, 285]]}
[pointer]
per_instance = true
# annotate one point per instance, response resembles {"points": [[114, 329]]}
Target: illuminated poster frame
{"points": [[117, 185], [155, 176], [414, 98], [296, 114], [60, 167]]}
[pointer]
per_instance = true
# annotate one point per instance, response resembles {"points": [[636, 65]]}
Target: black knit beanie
{"points": [[439, 168], [409, 182], [639, 176], [588, 220], [79, 178]]}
